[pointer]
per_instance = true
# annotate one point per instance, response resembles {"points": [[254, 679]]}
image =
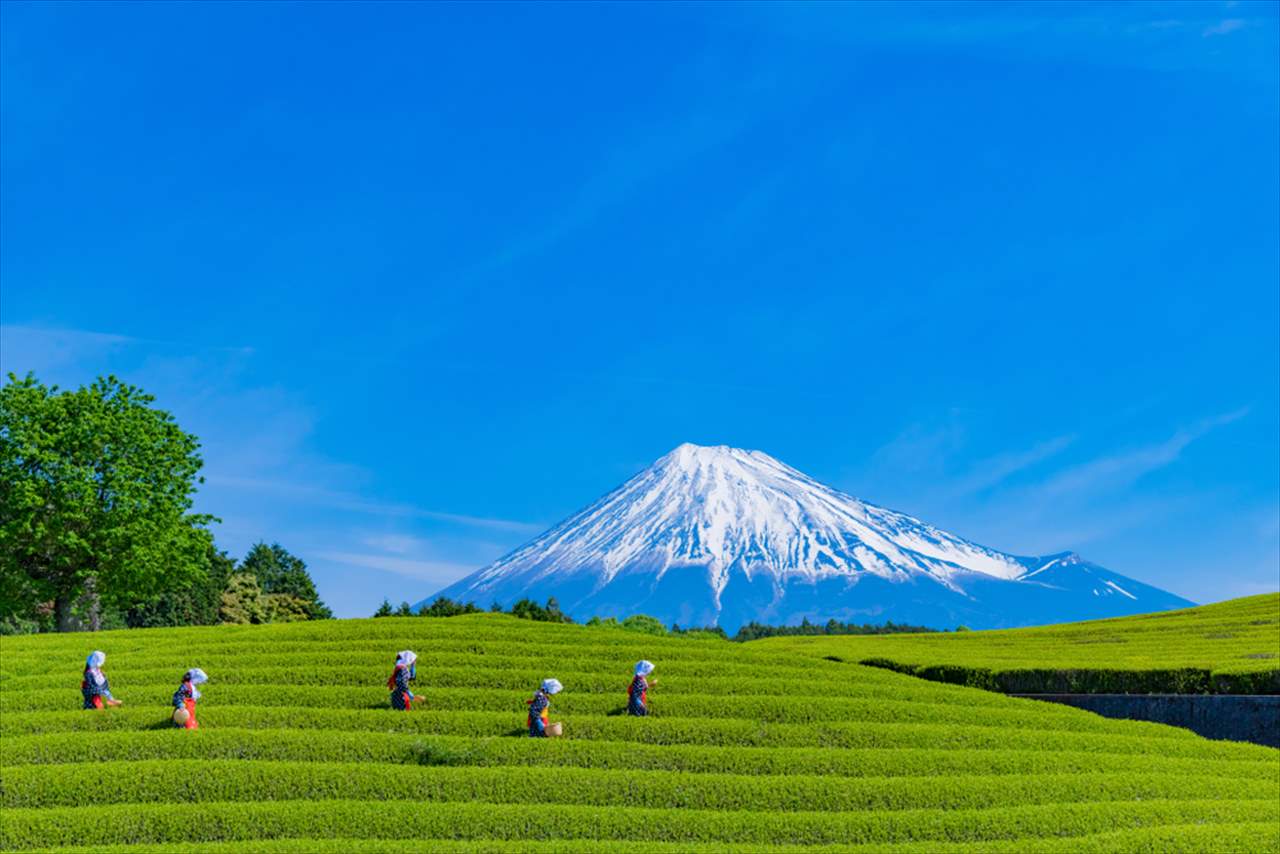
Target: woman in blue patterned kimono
{"points": [[185, 698], [94, 687], [402, 698], [538, 706], [638, 693]]}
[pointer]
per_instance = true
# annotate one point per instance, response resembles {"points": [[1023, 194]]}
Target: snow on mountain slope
{"points": [[718, 534]]}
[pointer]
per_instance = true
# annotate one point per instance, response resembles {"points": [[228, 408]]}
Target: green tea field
{"points": [[752, 747], [1229, 648]]}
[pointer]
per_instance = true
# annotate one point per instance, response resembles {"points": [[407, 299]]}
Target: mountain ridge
{"points": [[715, 534]]}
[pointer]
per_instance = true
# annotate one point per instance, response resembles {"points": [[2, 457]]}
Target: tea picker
{"points": [[537, 722], [184, 699], [94, 687], [406, 670], [638, 692]]}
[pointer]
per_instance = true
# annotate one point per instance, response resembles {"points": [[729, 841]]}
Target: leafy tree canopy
{"points": [[285, 608], [96, 490], [198, 603], [644, 623], [242, 601]]}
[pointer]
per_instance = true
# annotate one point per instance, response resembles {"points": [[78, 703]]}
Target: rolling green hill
{"points": [[1231, 648], [750, 748]]}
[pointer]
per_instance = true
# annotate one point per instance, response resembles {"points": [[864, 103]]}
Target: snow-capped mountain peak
{"points": [[738, 519]]}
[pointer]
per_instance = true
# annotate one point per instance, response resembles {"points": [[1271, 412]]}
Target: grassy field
{"points": [[750, 748], [1228, 648]]}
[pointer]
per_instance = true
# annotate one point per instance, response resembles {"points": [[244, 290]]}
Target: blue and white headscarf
{"points": [[93, 664], [644, 668], [195, 676], [551, 686]]}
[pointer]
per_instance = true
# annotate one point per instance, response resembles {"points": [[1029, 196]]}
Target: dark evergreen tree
{"points": [[443, 606], [280, 573]]}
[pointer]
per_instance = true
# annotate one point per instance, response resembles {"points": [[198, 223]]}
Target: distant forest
{"points": [[528, 609]]}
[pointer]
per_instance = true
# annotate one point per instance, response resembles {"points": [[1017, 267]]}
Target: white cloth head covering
{"points": [[644, 668], [195, 676], [94, 665], [406, 657], [552, 686]]}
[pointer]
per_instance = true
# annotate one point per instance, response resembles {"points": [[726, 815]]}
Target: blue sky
{"points": [[427, 278]]}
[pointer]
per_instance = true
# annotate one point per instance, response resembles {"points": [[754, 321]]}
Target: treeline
{"points": [[96, 528], [443, 606], [753, 630], [268, 586], [527, 609]]}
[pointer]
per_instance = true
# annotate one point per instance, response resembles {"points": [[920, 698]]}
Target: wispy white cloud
{"points": [[1268, 523], [1224, 27], [436, 573], [1038, 501], [1120, 470], [1162, 24], [995, 470], [395, 544], [339, 500], [1123, 35], [43, 350], [921, 447]]}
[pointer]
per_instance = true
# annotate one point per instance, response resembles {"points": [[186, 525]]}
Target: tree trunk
{"points": [[94, 603], [62, 612]]}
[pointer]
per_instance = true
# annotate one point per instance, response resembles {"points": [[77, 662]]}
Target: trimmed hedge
{"points": [[507, 656], [1229, 648], [863, 682], [212, 822], [994, 733], [788, 710], [1207, 838], [1042, 680], [343, 746], [158, 781]]}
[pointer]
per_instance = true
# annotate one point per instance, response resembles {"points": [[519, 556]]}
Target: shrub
{"points": [[645, 625]]}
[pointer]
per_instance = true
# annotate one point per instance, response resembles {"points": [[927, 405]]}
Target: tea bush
{"points": [[751, 747]]}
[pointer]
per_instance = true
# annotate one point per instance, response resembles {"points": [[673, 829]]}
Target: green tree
{"points": [[280, 573], [384, 610], [242, 601], [443, 606], [644, 623], [285, 608], [96, 488], [527, 609], [197, 604]]}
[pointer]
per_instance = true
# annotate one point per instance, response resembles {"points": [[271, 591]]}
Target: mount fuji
{"points": [[718, 535]]}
